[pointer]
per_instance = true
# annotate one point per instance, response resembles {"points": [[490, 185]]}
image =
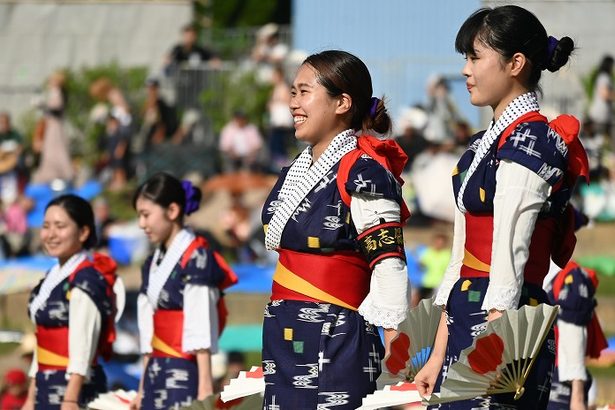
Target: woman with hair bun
{"points": [[511, 188], [73, 309], [180, 307], [335, 217]]}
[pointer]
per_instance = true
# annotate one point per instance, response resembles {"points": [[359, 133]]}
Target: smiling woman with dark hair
{"points": [[335, 218], [72, 309]]}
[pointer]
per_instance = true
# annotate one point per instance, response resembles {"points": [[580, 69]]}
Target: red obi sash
{"points": [[168, 334], [341, 278], [478, 248], [52, 348]]}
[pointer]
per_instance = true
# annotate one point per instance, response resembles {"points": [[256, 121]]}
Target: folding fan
{"points": [[114, 400], [501, 358], [245, 384], [412, 346], [401, 393]]}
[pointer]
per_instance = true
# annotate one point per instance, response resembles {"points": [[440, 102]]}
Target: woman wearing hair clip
{"points": [[335, 218], [73, 310], [512, 188], [180, 306]]}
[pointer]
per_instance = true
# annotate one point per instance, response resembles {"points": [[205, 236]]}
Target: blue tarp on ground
{"points": [[25, 272]]}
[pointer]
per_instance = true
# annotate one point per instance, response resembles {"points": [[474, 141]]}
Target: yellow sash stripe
{"points": [[473, 262], [49, 358], [291, 281], [158, 344]]}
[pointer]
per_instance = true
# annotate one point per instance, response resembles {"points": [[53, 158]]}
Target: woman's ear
{"points": [[84, 233], [173, 211], [344, 104], [518, 63]]}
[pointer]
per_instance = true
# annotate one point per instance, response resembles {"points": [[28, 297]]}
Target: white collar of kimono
{"points": [[159, 273], [301, 178], [53, 278], [516, 108]]}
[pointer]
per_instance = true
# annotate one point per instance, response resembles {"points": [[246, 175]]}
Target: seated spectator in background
{"points": [[268, 51], [412, 141], [462, 133], [190, 130], [594, 143], [281, 131], [14, 390], [160, 118], [55, 159], [10, 150], [116, 156], [14, 234], [102, 221], [240, 144], [442, 111], [188, 52]]}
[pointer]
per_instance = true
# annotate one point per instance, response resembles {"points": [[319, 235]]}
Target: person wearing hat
{"points": [[14, 391]]}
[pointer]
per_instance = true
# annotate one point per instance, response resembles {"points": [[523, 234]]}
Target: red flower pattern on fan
{"points": [[255, 374], [487, 355], [398, 354]]}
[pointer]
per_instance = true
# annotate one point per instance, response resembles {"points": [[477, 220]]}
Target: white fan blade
{"points": [[246, 384], [392, 395]]}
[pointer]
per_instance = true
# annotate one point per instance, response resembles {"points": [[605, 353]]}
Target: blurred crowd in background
{"points": [[225, 125], [174, 122]]}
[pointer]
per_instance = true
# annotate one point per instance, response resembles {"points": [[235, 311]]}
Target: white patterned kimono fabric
{"points": [[302, 178]]}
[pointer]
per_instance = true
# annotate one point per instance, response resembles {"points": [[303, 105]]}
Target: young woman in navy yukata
{"points": [[511, 188], [73, 310], [335, 218], [180, 306]]}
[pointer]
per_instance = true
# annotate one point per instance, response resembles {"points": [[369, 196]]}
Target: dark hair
{"points": [[606, 65], [189, 27], [513, 29], [164, 189], [341, 72], [80, 211]]}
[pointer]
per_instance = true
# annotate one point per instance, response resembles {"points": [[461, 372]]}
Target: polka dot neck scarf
{"points": [[519, 106], [301, 178]]}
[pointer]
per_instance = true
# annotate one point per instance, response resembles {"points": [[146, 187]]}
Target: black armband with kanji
{"points": [[382, 241]]}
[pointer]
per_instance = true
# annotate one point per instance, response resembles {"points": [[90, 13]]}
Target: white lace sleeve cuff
{"points": [[386, 304], [441, 299], [501, 298], [200, 318], [145, 320]]}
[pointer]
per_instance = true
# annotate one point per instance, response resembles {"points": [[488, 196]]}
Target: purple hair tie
{"points": [[552, 43], [374, 107], [191, 204]]}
